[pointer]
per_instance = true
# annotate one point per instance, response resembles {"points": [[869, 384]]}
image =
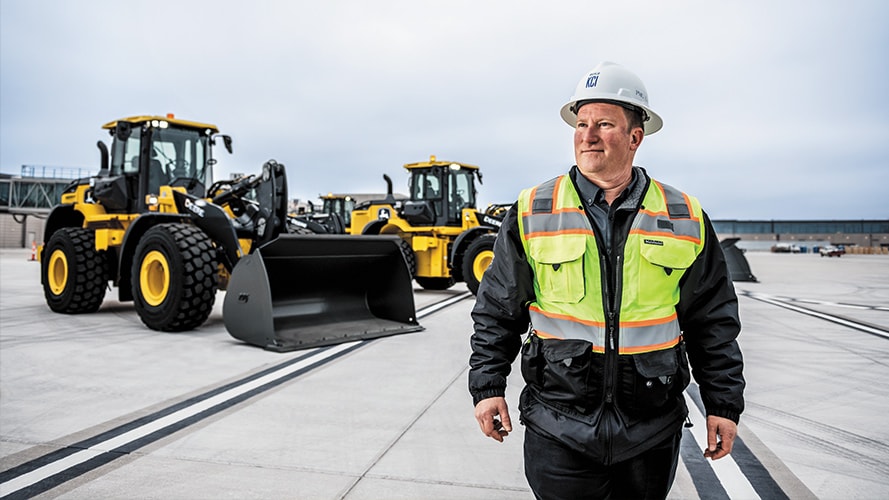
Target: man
{"points": [[623, 282]]}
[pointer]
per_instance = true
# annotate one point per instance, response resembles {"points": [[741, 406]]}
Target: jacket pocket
{"points": [[650, 380], [558, 268], [566, 373]]}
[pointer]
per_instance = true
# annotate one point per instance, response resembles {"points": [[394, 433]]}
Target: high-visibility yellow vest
{"points": [[666, 236]]}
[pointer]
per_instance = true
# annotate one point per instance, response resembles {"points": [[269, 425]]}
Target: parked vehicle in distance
{"points": [[831, 251], [786, 248]]}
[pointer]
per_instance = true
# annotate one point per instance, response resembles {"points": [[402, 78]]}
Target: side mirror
{"points": [[226, 141]]}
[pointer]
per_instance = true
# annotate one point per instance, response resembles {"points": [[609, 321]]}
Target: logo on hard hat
{"points": [[592, 80]]}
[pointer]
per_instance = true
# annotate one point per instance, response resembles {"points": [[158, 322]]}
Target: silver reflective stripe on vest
{"points": [[568, 222], [634, 339], [542, 219], [658, 225], [648, 335], [678, 222], [550, 325]]}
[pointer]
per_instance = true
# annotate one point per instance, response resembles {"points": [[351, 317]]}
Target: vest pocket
{"points": [[566, 373], [558, 267], [663, 262], [652, 379]]}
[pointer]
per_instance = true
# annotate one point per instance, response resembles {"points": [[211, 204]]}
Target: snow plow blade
{"points": [[738, 266], [302, 291]]}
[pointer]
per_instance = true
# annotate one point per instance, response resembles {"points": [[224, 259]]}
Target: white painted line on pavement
{"points": [[726, 469], [426, 311], [827, 317], [46, 471]]}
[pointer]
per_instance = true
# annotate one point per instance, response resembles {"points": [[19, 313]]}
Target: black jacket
{"points": [[563, 396]]}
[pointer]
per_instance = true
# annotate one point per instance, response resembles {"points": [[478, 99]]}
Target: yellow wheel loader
{"points": [[148, 224], [449, 239]]}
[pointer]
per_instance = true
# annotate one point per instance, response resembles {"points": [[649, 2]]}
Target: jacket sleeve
{"points": [[500, 314], [708, 316]]}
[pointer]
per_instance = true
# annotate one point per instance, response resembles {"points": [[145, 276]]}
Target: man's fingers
{"points": [[721, 434], [487, 412], [507, 424]]}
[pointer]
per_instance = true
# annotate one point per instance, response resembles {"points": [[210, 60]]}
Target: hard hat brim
{"points": [[650, 126]]}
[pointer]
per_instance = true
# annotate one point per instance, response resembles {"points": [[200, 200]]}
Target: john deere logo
{"points": [[592, 80], [383, 213]]}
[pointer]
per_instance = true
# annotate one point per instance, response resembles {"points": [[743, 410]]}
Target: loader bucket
{"points": [[738, 266], [302, 291]]}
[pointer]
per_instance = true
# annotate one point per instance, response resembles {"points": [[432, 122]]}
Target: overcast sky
{"points": [[772, 109]]}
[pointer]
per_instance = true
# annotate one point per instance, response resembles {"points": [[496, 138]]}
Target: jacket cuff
{"points": [[487, 393], [734, 416]]}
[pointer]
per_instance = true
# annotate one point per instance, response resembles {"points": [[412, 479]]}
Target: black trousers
{"points": [[557, 472]]}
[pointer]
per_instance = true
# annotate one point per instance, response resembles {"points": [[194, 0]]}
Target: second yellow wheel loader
{"points": [[148, 224], [448, 239]]}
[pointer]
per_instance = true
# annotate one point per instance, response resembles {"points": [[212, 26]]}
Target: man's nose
{"points": [[587, 134]]}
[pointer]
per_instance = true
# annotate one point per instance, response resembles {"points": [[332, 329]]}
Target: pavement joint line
{"points": [[401, 434], [873, 330]]}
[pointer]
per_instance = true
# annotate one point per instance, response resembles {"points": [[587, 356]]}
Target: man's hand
{"points": [[721, 434], [487, 411]]}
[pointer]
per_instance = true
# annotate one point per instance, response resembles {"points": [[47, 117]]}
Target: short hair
{"points": [[634, 118]]}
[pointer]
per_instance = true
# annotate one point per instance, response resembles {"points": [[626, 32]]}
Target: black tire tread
{"points": [[87, 274], [199, 281]]}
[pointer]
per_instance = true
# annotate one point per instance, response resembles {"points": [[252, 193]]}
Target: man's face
{"points": [[602, 145]]}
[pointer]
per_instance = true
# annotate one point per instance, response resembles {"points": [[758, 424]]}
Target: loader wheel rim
{"points": [[154, 278], [481, 263], [57, 272]]}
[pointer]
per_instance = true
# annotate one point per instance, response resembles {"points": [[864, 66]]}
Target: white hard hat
{"points": [[611, 82]]}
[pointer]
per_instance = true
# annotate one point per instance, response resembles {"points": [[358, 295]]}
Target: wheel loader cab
{"points": [[340, 205], [148, 152], [439, 193]]}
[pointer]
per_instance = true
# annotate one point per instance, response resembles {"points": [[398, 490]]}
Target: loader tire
{"points": [[435, 283], [74, 275], [174, 277], [410, 257], [476, 259]]}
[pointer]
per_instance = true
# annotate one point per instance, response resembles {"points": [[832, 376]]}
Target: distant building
{"points": [[26, 200], [763, 234]]}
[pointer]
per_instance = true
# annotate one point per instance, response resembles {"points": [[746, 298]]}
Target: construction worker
{"points": [[623, 283]]}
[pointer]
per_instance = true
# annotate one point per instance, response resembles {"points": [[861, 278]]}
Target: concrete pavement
{"points": [[98, 406]]}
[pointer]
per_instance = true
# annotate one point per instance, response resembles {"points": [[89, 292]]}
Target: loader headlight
{"points": [[151, 201]]}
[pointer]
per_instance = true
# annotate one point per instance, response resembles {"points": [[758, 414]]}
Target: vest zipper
{"points": [[613, 350]]}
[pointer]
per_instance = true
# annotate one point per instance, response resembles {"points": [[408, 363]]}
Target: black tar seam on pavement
{"points": [[758, 476], [109, 456]]}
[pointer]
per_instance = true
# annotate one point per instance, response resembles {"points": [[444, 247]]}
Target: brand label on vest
{"points": [[653, 242]]}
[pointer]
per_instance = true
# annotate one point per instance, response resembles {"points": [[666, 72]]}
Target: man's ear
{"points": [[636, 137]]}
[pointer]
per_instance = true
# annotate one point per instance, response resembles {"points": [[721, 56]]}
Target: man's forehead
{"points": [[600, 109]]}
